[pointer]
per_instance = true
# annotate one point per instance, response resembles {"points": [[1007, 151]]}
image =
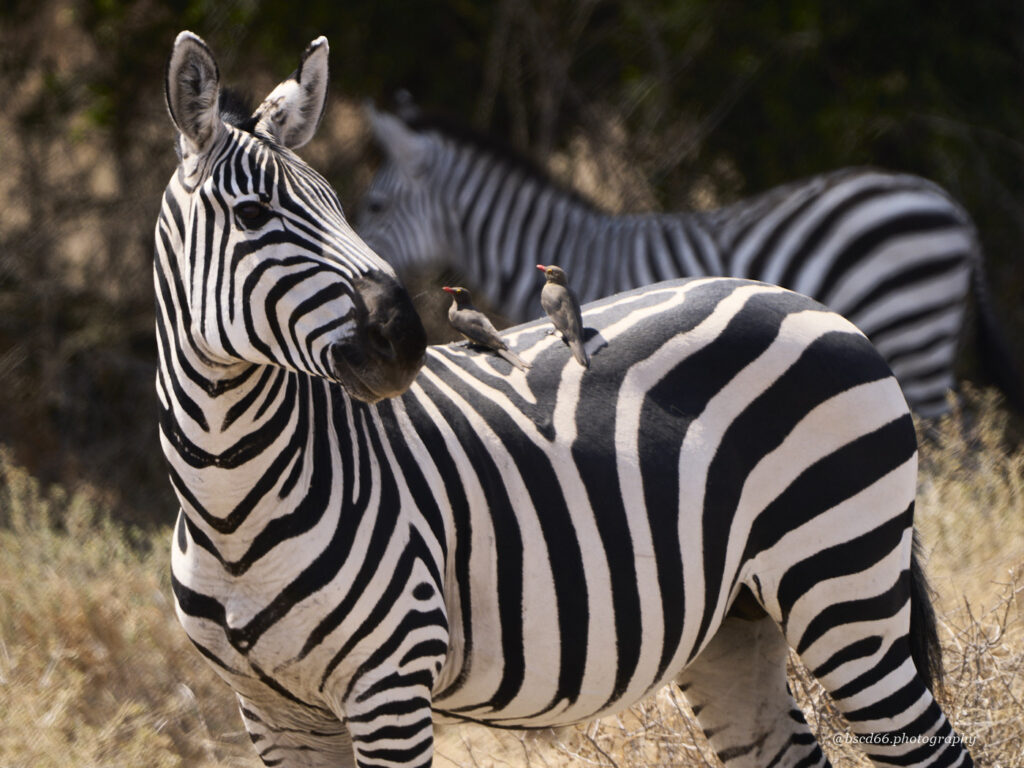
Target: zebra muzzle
{"points": [[383, 356]]}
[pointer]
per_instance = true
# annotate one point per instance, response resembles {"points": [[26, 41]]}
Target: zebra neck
{"points": [[524, 222], [242, 452]]}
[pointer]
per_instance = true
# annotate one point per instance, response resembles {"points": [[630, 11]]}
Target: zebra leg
{"points": [[395, 730], [291, 739], [869, 638], [737, 688]]}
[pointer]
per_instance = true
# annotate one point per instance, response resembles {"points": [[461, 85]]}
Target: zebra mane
{"points": [[236, 108], [489, 144]]}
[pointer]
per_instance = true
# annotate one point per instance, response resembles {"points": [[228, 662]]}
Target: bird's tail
{"points": [[579, 352], [513, 358]]}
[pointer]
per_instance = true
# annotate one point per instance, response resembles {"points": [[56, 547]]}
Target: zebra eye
{"points": [[252, 214], [375, 205]]}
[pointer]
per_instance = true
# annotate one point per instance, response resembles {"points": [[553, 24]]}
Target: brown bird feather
{"points": [[562, 306], [474, 325]]}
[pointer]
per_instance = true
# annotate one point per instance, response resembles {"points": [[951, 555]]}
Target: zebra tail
{"points": [[994, 354], [580, 353], [513, 358], [925, 649]]}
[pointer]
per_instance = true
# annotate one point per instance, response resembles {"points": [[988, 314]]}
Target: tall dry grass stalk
{"points": [[94, 670]]}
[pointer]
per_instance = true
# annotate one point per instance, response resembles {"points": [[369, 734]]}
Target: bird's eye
{"points": [[252, 214]]}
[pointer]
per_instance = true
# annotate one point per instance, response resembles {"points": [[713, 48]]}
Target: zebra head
{"points": [[402, 216], [265, 268]]}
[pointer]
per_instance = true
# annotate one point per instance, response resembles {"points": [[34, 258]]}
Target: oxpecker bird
{"points": [[474, 325], [563, 308]]}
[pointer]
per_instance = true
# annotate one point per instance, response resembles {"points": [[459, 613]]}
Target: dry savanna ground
{"points": [[94, 670]]}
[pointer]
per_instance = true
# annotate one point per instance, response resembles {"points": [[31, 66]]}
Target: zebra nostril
{"points": [[379, 344], [390, 331], [348, 353]]}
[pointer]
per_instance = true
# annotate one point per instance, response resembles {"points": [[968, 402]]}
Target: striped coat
{"points": [[374, 536]]}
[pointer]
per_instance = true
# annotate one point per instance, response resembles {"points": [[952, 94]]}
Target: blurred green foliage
{"points": [[694, 95]]}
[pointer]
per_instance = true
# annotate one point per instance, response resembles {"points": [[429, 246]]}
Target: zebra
{"points": [[374, 535], [892, 252]]}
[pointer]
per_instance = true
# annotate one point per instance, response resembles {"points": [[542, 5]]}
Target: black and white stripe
{"points": [[891, 252], [734, 474]]}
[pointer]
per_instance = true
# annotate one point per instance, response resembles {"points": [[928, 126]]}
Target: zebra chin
{"points": [[387, 350], [366, 381]]}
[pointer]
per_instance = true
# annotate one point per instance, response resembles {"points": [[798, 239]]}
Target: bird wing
{"points": [[475, 326], [577, 314], [563, 309]]}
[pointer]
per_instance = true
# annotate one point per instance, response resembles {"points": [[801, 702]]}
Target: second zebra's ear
{"points": [[192, 90], [293, 110], [403, 146]]}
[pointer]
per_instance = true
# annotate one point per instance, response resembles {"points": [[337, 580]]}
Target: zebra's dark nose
{"points": [[394, 331], [384, 355]]}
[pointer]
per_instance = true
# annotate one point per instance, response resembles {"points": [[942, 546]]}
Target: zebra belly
{"points": [[585, 705], [545, 679]]}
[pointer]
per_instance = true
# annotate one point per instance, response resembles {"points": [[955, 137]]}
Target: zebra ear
{"points": [[192, 90], [293, 110], [403, 146]]}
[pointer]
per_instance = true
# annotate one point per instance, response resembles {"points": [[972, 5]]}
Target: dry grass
{"points": [[94, 670]]}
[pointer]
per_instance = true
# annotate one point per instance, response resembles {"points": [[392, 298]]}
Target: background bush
{"points": [[665, 105]]}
